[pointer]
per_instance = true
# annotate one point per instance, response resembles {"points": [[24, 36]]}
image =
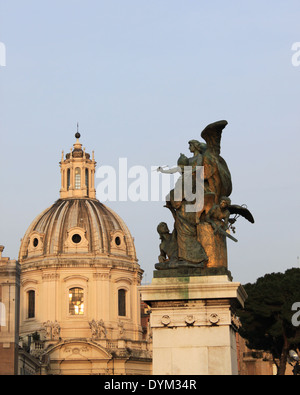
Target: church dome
{"points": [[77, 226]]}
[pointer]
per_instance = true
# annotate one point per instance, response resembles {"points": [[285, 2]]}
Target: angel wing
{"points": [[212, 135], [215, 167], [240, 210]]}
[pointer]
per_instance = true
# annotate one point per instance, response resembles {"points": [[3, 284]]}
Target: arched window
{"points": [[76, 302], [77, 178], [30, 304], [122, 302], [68, 178]]}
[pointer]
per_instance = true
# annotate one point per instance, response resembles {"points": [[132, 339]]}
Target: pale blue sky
{"points": [[143, 78]]}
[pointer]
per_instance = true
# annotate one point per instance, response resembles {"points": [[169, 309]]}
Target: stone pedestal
{"points": [[193, 324]]}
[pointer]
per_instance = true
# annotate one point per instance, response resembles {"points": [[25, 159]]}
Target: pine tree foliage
{"points": [[267, 315]]}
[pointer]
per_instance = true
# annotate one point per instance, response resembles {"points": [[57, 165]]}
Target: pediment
{"points": [[78, 351]]}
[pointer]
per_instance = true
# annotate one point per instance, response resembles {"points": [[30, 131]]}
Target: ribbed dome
{"points": [[78, 227]]}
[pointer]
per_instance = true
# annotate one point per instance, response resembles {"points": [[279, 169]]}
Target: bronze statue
{"points": [[199, 236]]}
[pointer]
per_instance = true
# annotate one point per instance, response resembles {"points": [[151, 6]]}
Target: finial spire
{"points": [[77, 135]]}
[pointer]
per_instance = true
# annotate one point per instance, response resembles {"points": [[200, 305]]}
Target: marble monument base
{"points": [[193, 324]]}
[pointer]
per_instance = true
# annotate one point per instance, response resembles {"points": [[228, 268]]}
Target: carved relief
{"points": [[121, 329], [214, 318], [190, 320], [165, 320], [52, 330], [75, 350], [98, 329]]}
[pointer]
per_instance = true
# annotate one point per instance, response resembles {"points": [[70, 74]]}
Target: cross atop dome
{"points": [[77, 134]]}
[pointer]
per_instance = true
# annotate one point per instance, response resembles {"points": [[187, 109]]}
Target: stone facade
{"points": [[9, 315]]}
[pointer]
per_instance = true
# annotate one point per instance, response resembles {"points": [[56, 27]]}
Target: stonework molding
{"points": [[101, 276], [76, 277], [50, 276]]}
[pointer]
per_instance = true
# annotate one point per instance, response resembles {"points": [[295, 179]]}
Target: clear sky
{"points": [[142, 78]]}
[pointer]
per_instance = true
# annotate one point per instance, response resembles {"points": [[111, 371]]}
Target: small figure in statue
{"points": [[218, 215], [168, 246]]}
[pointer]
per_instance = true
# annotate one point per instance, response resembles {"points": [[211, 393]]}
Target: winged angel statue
{"points": [[199, 237]]}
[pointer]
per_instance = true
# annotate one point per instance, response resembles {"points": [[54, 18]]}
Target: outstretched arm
{"points": [[169, 171]]}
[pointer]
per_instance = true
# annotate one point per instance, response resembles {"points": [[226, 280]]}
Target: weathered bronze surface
{"points": [[198, 241]]}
